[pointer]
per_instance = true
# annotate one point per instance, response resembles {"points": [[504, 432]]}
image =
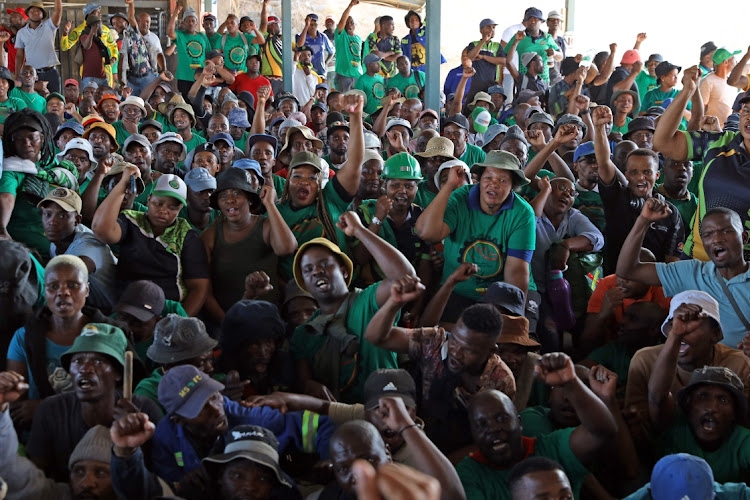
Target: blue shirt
{"points": [[321, 48], [698, 275], [573, 224], [174, 455]]}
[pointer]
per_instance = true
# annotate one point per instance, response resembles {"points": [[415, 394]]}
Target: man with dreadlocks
{"points": [[308, 208], [27, 177]]}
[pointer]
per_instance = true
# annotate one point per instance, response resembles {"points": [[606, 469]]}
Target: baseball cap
{"points": [[574, 119], [209, 16], [553, 14], [505, 295], [138, 139], [320, 105], [254, 443], [250, 165], [527, 57], [78, 143], [184, 390], [394, 122], [481, 119], [696, 297], [249, 320], [430, 112], [525, 95], [179, 339], [71, 81], [18, 10], [313, 16], [262, 138], [66, 198], [497, 89], [389, 382], [222, 136], [493, 131], [74, 126], [722, 54], [371, 58], [450, 164], [101, 338], [533, 12], [325, 243], [655, 57], [55, 95], [630, 57], [172, 186], [214, 53], [707, 48], [457, 119], [682, 476], [654, 110], [336, 125], [322, 86], [200, 179], [487, 22], [141, 299], [585, 149], [273, 20]]}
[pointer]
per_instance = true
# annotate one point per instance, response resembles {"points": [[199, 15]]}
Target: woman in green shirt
{"points": [[625, 105]]}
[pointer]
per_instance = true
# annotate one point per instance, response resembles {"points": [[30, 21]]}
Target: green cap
{"points": [[101, 338], [402, 166], [722, 54], [306, 158], [56, 95]]}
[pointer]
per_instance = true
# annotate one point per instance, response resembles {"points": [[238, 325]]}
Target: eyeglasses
{"points": [[564, 189]]}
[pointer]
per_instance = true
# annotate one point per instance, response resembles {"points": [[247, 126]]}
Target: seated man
{"points": [[687, 348], [607, 305], [538, 477], [724, 277], [360, 440], [450, 368], [497, 431], [250, 455], [96, 363], [90, 458], [708, 421], [322, 269], [199, 418]]}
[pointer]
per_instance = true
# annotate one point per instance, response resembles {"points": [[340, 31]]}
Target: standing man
{"points": [[718, 95], [209, 27], [321, 47], [707, 53], [554, 25], [386, 46], [537, 41], [192, 47], [271, 50], [141, 56], [108, 37], [17, 21], [487, 58], [349, 47], [304, 77], [35, 43]]}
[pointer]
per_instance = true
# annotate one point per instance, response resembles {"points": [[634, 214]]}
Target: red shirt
{"points": [[245, 82], [93, 64], [10, 48], [654, 294]]}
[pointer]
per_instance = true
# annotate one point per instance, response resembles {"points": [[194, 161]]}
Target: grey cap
{"points": [[137, 138], [179, 339], [540, 117]]}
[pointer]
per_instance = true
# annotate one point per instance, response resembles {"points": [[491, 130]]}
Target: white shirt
{"points": [[303, 86], [39, 44], [506, 36]]}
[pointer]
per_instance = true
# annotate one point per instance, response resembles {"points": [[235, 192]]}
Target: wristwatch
{"points": [[377, 221]]}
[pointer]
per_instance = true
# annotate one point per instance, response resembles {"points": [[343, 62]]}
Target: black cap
{"points": [[707, 48], [665, 67], [249, 320], [387, 382], [457, 119]]}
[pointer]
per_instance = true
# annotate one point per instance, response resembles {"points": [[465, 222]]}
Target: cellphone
{"points": [[132, 184]]}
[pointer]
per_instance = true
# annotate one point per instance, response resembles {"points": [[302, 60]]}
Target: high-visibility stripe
{"points": [[310, 422]]}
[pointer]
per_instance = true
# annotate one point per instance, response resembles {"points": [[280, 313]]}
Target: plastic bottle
{"points": [[558, 291]]}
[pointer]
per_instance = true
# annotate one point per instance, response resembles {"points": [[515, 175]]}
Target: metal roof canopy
{"points": [[433, 13]]}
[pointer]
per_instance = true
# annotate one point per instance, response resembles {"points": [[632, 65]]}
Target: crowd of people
{"points": [[212, 287]]}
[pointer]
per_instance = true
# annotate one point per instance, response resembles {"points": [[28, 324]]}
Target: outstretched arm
{"points": [[608, 67], [628, 81], [736, 78], [105, 224], [380, 331], [57, 13], [345, 16], [351, 171], [435, 307], [264, 17], [667, 137], [629, 265], [601, 116], [171, 33]]}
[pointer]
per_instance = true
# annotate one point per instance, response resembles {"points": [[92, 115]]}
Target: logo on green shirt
{"points": [[237, 55], [194, 49], [378, 90], [485, 254]]}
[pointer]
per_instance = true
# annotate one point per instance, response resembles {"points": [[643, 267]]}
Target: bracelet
{"points": [[586, 111], [376, 221], [406, 427]]}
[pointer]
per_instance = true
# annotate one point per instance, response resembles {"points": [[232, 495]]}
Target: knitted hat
{"points": [[95, 445]]}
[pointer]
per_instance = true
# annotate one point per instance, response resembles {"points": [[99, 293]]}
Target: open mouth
{"points": [[85, 384], [232, 211], [303, 194], [684, 348], [499, 445], [708, 423], [322, 284], [719, 252]]}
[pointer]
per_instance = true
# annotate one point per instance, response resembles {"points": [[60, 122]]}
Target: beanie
{"points": [[96, 445]]}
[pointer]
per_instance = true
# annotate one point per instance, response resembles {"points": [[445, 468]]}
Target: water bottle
{"points": [[558, 291]]}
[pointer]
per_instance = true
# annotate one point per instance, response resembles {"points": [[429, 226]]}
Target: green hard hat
{"points": [[402, 166]]}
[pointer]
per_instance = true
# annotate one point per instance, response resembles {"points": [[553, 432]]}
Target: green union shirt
{"points": [[191, 52], [408, 86], [348, 54], [486, 240], [539, 46], [10, 106], [306, 224], [374, 88], [235, 52]]}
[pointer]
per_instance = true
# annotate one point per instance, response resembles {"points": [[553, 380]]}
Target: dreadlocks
{"points": [[329, 229], [28, 118]]}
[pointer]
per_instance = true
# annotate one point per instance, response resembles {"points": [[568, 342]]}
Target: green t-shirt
{"points": [[536, 421], [486, 240], [645, 83], [624, 129], [538, 46], [215, 41], [655, 97], [589, 202], [25, 223], [168, 127], [374, 88], [120, 133], [306, 224], [348, 54], [10, 106], [143, 197], [236, 52], [191, 53], [278, 184], [409, 87], [214, 214], [615, 357], [730, 462], [482, 481], [472, 155], [195, 141], [306, 345], [33, 101], [424, 195]]}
